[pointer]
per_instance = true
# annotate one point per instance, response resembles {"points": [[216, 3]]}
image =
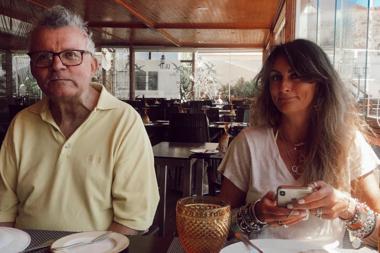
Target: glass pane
{"points": [[2, 75], [158, 74], [152, 80], [307, 19], [140, 79], [226, 75], [373, 60], [24, 87], [113, 71], [350, 51], [326, 26]]}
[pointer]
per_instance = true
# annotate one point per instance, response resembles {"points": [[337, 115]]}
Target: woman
{"points": [[306, 133]]}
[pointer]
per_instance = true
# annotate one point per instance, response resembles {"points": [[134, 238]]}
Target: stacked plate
{"points": [[13, 240]]}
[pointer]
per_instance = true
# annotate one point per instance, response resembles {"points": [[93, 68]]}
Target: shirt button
{"points": [[68, 145]]}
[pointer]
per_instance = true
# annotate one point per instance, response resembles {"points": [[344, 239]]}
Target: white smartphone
{"points": [[288, 193]]}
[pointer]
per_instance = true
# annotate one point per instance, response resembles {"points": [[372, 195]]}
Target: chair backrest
{"points": [[213, 114], [156, 113], [189, 127]]}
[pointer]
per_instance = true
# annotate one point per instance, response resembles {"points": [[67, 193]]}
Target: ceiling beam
{"points": [[175, 25], [112, 24], [148, 22]]}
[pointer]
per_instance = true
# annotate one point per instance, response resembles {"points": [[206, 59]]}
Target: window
{"points": [[158, 74], [2, 75], [152, 80], [228, 74], [140, 79]]}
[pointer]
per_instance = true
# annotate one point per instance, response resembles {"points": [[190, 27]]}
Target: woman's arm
{"points": [[366, 189], [231, 194]]}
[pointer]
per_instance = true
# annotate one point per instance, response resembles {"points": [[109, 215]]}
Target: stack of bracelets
{"points": [[363, 222], [247, 221]]}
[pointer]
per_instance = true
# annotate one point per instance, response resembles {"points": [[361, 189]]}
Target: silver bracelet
{"points": [[253, 213], [247, 221], [367, 227], [365, 218]]}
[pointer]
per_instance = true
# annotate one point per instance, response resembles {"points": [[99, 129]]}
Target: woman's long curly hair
{"points": [[334, 120]]}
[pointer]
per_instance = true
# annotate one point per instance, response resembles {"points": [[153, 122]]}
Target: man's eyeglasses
{"points": [[43, 59]]}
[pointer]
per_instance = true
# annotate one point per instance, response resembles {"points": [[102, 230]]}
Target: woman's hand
{"points": [[325, 202], [266, 210]]}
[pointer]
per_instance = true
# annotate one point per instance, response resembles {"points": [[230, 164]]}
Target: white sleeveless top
{"points": [[254, 165]]}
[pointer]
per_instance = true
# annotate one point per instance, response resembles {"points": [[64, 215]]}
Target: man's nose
{"points": [[57, 63]]}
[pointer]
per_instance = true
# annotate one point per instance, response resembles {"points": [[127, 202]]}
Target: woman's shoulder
{"points": [[256, 132]]}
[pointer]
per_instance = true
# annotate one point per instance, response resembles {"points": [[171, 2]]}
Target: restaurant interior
{"points": [[188, 67]]}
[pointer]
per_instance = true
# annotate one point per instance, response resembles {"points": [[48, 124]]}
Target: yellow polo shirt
{"points": [[104, 172]]}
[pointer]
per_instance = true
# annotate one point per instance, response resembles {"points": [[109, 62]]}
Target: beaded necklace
{"points": [[294, 154]]}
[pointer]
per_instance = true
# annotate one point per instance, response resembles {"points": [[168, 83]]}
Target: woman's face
{"points": [[289, 93]]}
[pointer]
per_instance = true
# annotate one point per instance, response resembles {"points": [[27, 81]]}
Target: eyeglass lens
{"points": [[67, 57]]}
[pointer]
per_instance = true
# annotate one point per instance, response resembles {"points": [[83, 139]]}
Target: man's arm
{"points": [[116, 227], [7, 224]]}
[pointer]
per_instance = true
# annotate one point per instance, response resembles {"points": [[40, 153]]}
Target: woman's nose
{"points": [[286, 85]]}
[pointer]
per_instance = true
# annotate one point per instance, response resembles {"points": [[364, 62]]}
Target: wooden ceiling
{"points": [[161, 23]]}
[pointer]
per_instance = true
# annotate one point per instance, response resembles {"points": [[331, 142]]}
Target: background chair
{"points": [[189, 127]]}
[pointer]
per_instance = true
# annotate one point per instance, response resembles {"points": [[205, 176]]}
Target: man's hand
{"points": [[116, 227]]}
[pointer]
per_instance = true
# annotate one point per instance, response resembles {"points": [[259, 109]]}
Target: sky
{"points": [[376, 3]]}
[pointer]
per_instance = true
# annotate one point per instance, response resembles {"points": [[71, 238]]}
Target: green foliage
{"points": [[185, 85], [241, 89]]}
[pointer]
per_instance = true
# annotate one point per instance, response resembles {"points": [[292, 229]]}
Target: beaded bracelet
{"points": [[363, 222], [368, 226], [247, 220]]}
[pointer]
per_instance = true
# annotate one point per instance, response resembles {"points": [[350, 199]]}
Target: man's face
{"points": [[57, 80]]}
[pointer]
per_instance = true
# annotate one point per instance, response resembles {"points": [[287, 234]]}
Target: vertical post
{"points": [[8, 75], [290, 20], [132, 74], [193, 72]]}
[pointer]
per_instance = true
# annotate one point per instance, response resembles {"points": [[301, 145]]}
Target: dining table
{"points": [[137, 243], [186, 156], [176, 247], [152, 243]]}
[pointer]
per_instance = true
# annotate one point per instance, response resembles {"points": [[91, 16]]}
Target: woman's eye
{"points": [[294, 76], [275, 78]]}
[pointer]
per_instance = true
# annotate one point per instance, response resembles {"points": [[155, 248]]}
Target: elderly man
{"points": [[79, 159]]}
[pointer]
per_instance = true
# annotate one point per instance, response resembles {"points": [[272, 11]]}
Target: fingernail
{"points": [[295, 212], [289, 206], [301, 201]]}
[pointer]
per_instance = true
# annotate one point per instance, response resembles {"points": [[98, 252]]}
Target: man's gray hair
{"points": [[58, 16]]}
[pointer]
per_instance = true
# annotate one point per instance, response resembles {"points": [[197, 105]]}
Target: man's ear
{"points": [[94, 65]]}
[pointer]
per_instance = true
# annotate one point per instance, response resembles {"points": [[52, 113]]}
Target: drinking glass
{"points": [[202, 223]]}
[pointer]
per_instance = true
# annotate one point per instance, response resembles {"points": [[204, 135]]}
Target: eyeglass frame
{"points": [[58, 54]]}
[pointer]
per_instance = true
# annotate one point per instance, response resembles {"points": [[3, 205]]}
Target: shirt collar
{"points": [[105, 102]]}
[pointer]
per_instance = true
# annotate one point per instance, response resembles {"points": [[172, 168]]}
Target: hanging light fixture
{"points": [[162, 61]]}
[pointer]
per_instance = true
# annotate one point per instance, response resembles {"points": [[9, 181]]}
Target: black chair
{"points": [[213, 114], [189, 127]]}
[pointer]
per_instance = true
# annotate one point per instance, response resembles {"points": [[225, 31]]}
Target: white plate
{"points": [[204, 151], [283, 246], [13, 240], [114, 243]]}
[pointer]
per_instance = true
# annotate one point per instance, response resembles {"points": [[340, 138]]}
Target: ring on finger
{"points": [[319, 212]]}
